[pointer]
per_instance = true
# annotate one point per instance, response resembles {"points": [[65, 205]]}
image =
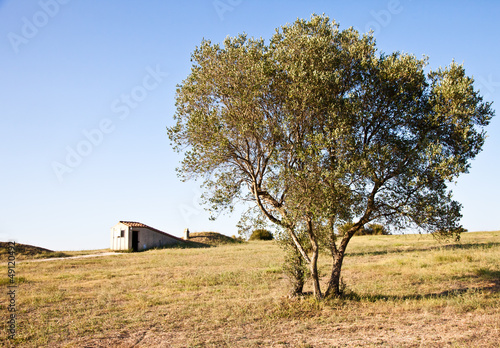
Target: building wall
{"points": [[121, 243], [147, 238], [151, 239]]}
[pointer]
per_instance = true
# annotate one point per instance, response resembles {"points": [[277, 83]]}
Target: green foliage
{"points": [[343, 229], [295, 270], [238, 238], [446, 234], [318, 128], [295, 267], [375, 229], [261, 234], [370, 230]]}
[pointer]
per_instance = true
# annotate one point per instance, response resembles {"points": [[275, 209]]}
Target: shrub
{"points": [[296, 271], [261, 234], [370, 230], [344, 228], [376, 230], [295, 267]]}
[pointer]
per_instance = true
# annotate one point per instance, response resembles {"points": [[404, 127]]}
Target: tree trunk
{"points": [[313, 265], [314, 273], [334, 288]]}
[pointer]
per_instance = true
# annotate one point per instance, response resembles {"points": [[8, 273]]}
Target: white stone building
{"points": [[136, 236]]}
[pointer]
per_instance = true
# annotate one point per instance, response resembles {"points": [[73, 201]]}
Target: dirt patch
{"points": [[72, 257]]}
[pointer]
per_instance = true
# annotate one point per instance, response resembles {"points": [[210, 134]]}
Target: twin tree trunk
{"points": [[334, 287]]}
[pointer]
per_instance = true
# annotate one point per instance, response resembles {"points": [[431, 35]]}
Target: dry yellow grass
{"points": [[402, 291], [30, 252]]}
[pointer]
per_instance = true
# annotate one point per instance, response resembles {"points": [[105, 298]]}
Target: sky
{"points": [[87, 89]]}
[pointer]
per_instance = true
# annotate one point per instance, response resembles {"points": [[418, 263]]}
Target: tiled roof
{"points": [[139, 224], [134, 224]]}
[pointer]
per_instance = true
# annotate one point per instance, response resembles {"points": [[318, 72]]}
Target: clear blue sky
{"points": [[87, 88]]}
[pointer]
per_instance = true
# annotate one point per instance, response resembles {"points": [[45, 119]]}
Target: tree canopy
{"points": [[318, 129]]}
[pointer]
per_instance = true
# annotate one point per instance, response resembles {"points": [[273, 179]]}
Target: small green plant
{"points": [[294, 267], [261, 234], [295, 270], [238, 238]]}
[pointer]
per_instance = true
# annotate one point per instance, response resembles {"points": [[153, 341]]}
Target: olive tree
{"points": [[318, 129]]}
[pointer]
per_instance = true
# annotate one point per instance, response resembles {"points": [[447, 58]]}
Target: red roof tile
{"points": [[141, 225]]}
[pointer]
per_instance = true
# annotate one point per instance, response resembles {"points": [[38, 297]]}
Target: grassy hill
{"points": [[29, 252], [212, 238], [25, 251], [402, 291]]}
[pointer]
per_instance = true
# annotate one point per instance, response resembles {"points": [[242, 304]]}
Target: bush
{"points": [[238, 238], [376, 230], [261, 234], [370, 230], [295, 269], [344, 228]]}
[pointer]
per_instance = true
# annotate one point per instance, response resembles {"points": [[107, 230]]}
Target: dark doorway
{"points": [[135, 240]]}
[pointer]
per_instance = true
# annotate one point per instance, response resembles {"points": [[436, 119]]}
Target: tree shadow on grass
{"points": [[457, 246], [492, 277]]}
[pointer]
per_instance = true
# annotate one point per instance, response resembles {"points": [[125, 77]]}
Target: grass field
{"points": [[402, 291]]}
